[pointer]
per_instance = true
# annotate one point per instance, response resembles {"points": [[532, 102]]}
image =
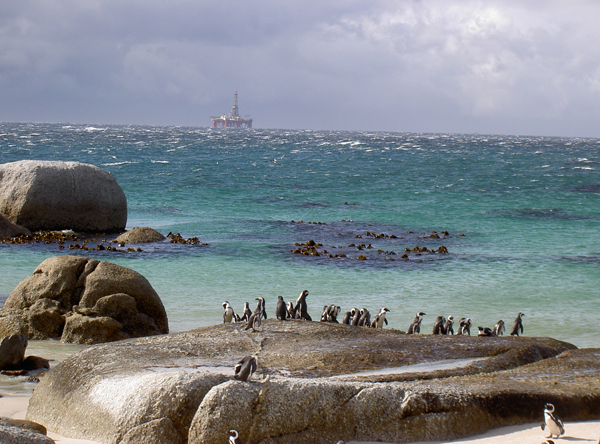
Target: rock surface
{"points": [[8, 229], [17, 435], [85, 301], [54, 195], [114, 391], [140, 235], [12, 352]]}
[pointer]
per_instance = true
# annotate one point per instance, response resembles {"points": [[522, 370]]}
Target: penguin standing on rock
{"points": [[380, 319], [256, 317], [355, 317], [551, 422], [499, 328], [347, 318], [247, 312], [332, 313], [464, 327], [291, 314], [234, 437], [228, 314], [448, 329], [517, 325], [280, 309], [245, 368], [439, 326], [365, 318], [415, 326], [301, 308]]}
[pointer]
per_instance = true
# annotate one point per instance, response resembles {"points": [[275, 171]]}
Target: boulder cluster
{"points": [[316, 382], [84, 301]]}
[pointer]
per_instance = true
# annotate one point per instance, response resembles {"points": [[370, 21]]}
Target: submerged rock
{"points": [[54, 195], [150, 387], [84, 301]]}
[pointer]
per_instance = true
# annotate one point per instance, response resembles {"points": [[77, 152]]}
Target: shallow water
{"points": [[529, 209]]}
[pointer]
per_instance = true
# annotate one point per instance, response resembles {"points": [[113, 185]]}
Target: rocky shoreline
{"points": [[181, 386]]}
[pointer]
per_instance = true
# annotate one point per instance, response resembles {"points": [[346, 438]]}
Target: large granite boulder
{"points": [[84, 301], [307, 389], [8, 229], [140, 235], [53, 195]]}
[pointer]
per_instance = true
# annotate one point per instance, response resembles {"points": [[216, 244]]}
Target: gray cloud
{"points": [[437, 66]]}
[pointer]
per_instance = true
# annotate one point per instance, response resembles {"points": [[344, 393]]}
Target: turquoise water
{"points": [[522, 216]]}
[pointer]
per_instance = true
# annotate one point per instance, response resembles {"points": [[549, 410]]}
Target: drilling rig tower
{"points": [[233, 119]]}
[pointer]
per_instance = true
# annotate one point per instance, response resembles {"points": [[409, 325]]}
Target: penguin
{"points": [[280, 309], [365, 318], [234, 437], [415, 326], [262, 307], [554, 425], [245, 368], [448, 328], [256, 317], [347, 318], [485, 331], [517, 325], [324, 316], [228, 314], [438, 327], [247, 312], [355, 317], [464, 327], [332, 313], [380, 319], [301, 308], [499, 328], [291, 314]]}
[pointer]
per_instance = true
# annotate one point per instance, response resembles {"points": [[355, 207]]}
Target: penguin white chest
{"points": [[551, 425]]}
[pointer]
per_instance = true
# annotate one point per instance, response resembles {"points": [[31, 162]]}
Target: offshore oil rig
{"points": [[233, 119]]}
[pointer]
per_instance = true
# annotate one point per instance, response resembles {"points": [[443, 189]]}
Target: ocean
{"points": [[503, 224]]}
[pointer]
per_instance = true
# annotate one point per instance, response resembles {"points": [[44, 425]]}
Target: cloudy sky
{"points": [[528, 67]]}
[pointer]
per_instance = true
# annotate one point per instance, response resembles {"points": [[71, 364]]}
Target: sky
{"points": [[528, 67]]}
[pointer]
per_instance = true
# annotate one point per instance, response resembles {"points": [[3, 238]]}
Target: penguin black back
{"points": [[301, 308], [517, 325], [281, 309]]}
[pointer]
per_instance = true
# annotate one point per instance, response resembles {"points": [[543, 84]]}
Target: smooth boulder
{"points": [[55, 195], [84, 301], [140, 235]]}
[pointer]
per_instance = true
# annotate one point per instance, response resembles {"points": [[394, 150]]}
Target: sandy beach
{"points": [[15, 406]]}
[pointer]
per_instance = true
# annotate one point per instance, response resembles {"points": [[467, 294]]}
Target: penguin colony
{"points": [[360, 318], [247, 366]]}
